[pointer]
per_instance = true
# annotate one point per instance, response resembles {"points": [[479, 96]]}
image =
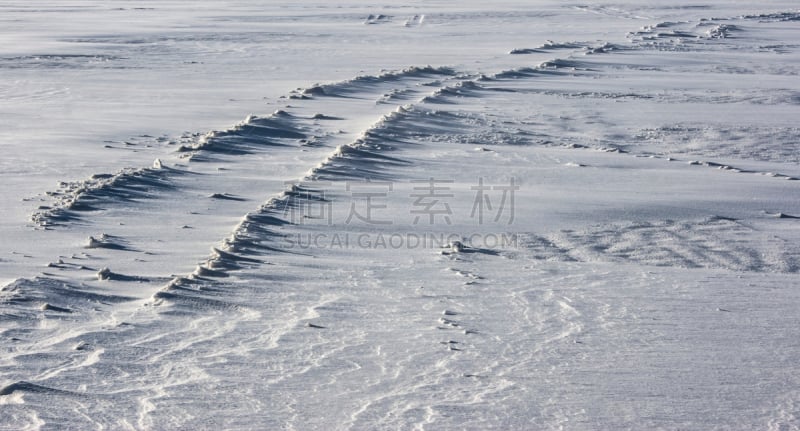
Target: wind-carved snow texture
{"points": [[717, 243], [101, 190], [633, 277]]}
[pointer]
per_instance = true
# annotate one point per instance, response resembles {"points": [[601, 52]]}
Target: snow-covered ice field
{"points": [[364, 215]]}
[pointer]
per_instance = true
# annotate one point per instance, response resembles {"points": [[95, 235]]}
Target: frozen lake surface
{"points": [[301, 215]]}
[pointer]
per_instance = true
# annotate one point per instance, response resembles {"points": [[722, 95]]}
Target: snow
{"points": [[523, 215]]}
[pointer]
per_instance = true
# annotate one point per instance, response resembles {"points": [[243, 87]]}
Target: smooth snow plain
{"points": [[363, 215]]}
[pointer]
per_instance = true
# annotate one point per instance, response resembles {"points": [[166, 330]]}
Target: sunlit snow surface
{"points": [[516, 215]]}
